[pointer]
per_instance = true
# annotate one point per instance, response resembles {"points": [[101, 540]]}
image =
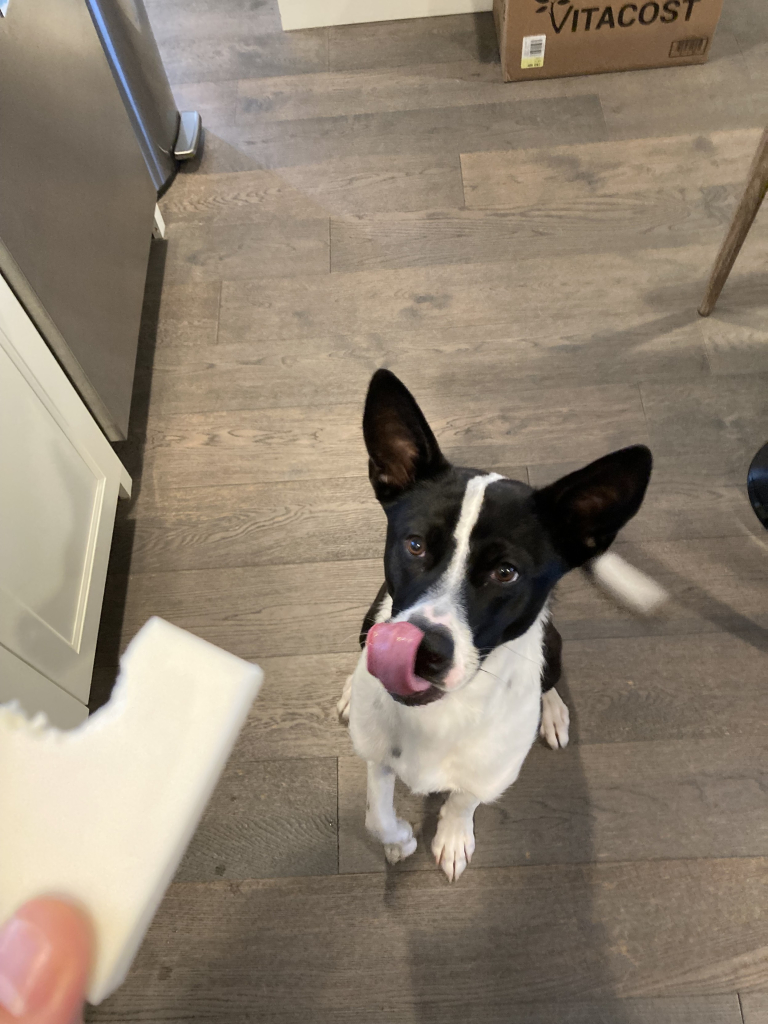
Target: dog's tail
{"points": [[626, 584]]}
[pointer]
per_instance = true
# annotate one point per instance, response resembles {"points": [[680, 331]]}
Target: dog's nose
{"points": [[434, 656]]}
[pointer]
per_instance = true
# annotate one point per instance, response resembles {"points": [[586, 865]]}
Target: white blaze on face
{"points": [[443, 605]]}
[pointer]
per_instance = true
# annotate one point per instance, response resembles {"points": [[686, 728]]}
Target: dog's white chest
{"points": [[474, 739]]}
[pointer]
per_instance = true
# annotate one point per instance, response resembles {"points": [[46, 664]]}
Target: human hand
{"points": [[46, 950]]}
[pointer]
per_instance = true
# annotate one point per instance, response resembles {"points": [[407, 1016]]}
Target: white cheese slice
{"points": [[103, 813]]}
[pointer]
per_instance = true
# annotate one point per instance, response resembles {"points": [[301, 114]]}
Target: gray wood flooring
{"points": [[529, 258]]}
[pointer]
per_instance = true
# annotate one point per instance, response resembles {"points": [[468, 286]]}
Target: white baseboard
{"points": [[321, 13]]}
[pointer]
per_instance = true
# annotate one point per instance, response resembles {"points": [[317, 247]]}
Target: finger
{"points": [[46, 950]]}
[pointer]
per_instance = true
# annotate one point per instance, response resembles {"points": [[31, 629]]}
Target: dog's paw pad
{"points": [[395, 852], [453, 846], [401, 845], [555, 720]]}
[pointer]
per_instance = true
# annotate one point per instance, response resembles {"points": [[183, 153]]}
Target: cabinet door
{"points": [[59, 484]]}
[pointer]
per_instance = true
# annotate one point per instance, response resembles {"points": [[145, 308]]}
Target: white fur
{"points": [[471, 504], [627, 584], [454, 841], [473, 740]]}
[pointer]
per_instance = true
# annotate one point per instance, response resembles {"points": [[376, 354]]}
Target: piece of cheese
{"points": [[103, 813]]}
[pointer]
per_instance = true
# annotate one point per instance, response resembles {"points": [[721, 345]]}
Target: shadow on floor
{"points": [[131, 454]]}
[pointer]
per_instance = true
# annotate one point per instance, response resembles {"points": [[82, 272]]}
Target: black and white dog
{"points": [[460, 659]]}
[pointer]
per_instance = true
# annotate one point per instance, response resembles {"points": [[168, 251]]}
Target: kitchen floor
{"points": [[529, 259]]}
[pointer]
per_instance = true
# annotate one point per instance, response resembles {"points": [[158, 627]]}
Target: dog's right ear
{"points": [[401, 447]]}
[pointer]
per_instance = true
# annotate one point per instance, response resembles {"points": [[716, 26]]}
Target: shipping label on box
{"points": [[551, 38]]}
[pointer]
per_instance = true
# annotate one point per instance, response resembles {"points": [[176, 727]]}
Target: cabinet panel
{"points": [[60, 483]]}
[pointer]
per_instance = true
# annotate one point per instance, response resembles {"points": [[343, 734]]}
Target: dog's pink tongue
{"points": [[392, 650]]}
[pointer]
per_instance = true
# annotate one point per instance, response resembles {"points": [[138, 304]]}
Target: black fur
{"points": [[372, 613], [401, 446], [553, 658]]}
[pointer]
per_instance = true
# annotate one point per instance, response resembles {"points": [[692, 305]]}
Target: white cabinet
{"points": [[59, 485]]}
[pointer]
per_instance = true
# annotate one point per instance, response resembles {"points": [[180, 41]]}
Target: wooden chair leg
{"points": [[757, 184]]}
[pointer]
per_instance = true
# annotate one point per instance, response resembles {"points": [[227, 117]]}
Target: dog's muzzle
{"points": [[410, 661]]}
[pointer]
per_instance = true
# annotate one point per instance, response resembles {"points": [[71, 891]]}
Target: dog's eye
{"points": [[505, 574], [415, 546]]}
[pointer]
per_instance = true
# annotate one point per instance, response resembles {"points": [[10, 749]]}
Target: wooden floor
{"points": [[529, 258]]}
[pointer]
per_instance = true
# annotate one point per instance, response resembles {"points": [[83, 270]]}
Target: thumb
{"points": [[46, 950]]}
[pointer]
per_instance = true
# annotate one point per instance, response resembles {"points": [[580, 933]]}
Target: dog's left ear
{"points": [[585, 510], [401, 446]]}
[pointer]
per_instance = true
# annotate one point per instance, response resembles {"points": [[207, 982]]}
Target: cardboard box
{"points": [[553, 38]]}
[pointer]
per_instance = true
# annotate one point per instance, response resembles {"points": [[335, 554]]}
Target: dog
{"points": [[460, 659]]}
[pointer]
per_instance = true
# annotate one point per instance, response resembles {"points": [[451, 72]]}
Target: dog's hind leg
{"points": [[454, 841], [380, 818]]}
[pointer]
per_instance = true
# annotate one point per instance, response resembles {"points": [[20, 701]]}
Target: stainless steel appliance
{"points": [[76, 197], [164, 135], [76, 200]]}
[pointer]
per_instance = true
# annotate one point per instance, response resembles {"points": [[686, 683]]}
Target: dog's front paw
{"points": [[343, 706], [453, 845], [395, 852], [554, 719], [399, 842]]}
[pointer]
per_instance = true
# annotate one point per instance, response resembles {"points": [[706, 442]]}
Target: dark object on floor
{"points": [[746, 211], [757, 485]]}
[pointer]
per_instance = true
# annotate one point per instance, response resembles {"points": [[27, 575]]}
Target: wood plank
{"points": [[260, 524], [667, 688], [184, 304], [325, 441], [407, 947], [275, 247], [406, 87], [215, 102], [707, 97], [592, 804], [543, 296], [398, 43], [236, 198], [332, 94], [472, 361], [217, 156], [726, 414], [379, 184], [295, 715], [244, 55], [754, 1006], [440, 130], [663, 218], [736, 337], [196, 19], [501, 180], [267, 819], [261, 611]]}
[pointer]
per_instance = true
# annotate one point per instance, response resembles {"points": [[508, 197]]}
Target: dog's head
{"points": [[471, 557]]}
